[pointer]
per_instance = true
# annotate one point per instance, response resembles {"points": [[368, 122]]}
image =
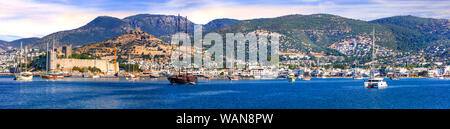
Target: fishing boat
{"points": [[183, 79], [374, 82]]}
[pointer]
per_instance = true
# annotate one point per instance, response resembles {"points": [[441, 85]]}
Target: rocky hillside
{"points": [[137, 44]]}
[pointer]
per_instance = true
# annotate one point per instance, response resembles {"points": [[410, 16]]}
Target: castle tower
{"points": [[52, 60], [67, 50]]}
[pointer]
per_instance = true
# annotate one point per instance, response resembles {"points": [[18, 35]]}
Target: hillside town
{"points": [[300, 64]]}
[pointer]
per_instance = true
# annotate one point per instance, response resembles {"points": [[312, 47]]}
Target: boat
{"points": [[154, 75], [233, 77], [394, 77], [374, 82], [90, 76], [53, 75], [358, 77], [183, 79], [291, 78], [66, 74], [24, 76], [306, 78], [131, 76], [96, 76]]}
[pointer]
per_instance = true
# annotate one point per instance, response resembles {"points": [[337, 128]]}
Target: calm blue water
{"points": [[78, 93]]}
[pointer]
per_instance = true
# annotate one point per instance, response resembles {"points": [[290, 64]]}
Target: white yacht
{"points": [[374, 82]]}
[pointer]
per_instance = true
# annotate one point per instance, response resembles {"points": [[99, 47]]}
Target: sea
{"points": [[318, 93]]}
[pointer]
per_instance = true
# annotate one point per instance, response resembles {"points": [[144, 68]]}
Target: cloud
{"points": [[28, 18]]}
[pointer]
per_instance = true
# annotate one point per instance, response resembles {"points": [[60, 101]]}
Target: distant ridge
{"points": [[105, 27], [301, 33]]}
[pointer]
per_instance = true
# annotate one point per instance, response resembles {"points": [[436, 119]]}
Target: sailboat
{"points": [[23, 76], [52, 74], [182, 78], [307, 75], [374, 82], [130, 75], [357, 75]]}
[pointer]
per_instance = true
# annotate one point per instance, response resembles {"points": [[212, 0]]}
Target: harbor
{"points": [[318, 93]]}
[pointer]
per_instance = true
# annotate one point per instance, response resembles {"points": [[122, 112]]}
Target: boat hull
{"points": [[23, 78], [191, 80], [381, 84]]}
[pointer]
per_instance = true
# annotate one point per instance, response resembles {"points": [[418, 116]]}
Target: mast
{"points": [[186, 25], [26, 58], [21, 56], [46, 59], [372, 75], [129, 63]]}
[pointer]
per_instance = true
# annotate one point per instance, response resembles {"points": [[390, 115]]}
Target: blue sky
{"points": [[37, 18]]}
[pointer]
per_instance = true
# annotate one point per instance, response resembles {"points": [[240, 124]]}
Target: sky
{"points": [[37, 18]]}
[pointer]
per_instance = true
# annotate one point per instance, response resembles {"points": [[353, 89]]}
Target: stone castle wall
{"points": [[103, 65]]}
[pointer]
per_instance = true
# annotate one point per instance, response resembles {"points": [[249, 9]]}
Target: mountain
{"points": [[219, 23], [300, 33], [317, 32], [104, 27], [3, 45], [158, 25], [99, 29], [137, 44], [439, 27], [417, 32], [25, 41]]}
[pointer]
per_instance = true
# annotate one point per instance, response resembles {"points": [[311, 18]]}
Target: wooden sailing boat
{"points": [[49, 73], [182, 78], [23, 76]]}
